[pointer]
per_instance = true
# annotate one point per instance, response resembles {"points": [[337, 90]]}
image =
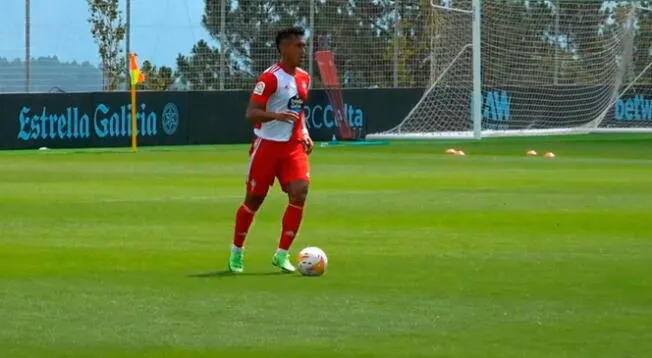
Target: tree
{"points": [[359, 34], [108, 30], [249, 48], [362, 35], [156, 79], [200, 69], [643, 45], [421, 60]]}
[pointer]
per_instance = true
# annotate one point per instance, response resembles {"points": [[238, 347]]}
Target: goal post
{"points": [[476, 22], [525, 68]]}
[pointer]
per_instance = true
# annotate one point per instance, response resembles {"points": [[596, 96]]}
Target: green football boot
{"points": [[282, 261], [236, 261]]}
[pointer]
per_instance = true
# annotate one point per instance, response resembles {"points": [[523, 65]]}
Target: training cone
{"points": [[451, 151], [531, 153], [549, 155], [459, 152]]}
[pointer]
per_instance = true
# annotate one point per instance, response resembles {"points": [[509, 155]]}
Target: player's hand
{"points": [[308, 145], [287, 116]]}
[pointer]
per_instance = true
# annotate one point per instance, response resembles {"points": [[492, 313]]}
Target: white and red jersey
{"points": [[281, 91]]}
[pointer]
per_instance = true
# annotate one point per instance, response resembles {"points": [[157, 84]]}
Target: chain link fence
{"points": [[225, 44]]}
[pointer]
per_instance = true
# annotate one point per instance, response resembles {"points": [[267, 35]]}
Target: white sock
{"points": [[236, 249], [281, 251]]}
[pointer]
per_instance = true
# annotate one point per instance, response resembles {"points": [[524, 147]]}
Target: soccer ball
{"points": [[312, 261]]}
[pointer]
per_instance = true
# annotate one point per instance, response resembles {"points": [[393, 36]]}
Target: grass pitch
{"points": [[113, 254]]}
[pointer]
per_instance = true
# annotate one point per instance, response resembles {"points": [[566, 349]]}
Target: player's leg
{"points": [[244, 217], [260, 176], [295, 180]]}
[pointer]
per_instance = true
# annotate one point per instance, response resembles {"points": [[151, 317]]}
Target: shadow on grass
{"points": [[227, 273]]}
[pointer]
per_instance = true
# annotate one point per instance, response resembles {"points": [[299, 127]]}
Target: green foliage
{"points": [[248, 45], [417, 26], [156, 79], [363, 36], [643, 45], [200, 69], [108, 30]]}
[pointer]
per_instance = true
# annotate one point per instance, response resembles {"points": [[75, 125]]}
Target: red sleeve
{"points": [[265, 88]]}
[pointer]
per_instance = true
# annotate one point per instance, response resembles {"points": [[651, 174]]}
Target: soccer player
{"points": [[280, 148]]}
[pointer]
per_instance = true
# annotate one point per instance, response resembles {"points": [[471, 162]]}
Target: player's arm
{"points": [[307, 141], [256, 113], [257, 108]]}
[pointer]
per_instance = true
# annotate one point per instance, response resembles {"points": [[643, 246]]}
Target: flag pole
{"points": [[134, 122], [135, 78]]}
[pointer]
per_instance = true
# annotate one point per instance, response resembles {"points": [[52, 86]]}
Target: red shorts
{"points": [[287, 161]]}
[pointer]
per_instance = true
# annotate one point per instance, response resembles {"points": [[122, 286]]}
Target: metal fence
{"points": [[224, 44], [221, 45]]}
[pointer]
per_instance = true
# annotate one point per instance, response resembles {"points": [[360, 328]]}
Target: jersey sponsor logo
{"points": [[295, 104], [260, 88]]}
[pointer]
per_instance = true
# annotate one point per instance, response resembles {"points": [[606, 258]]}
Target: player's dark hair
{"points": [[288, 33]]}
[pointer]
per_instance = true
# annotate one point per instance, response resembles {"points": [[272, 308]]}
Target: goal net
{"points": [[523, 67]]}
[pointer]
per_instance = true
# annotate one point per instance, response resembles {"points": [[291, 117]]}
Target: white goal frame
{"points": [[476, 100]]}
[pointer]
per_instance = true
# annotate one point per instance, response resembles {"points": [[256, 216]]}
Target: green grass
{"points": [[105, 253]]}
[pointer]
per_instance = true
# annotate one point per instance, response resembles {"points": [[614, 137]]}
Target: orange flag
{"points": [[136, 76]]}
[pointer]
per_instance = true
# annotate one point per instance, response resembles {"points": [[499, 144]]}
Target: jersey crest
{"points": [[260, 88]]}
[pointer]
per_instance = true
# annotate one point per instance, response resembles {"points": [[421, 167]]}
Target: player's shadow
{"points": [[227, 273]]}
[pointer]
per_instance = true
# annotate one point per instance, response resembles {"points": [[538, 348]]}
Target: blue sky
{"points": [[160, 29]]}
